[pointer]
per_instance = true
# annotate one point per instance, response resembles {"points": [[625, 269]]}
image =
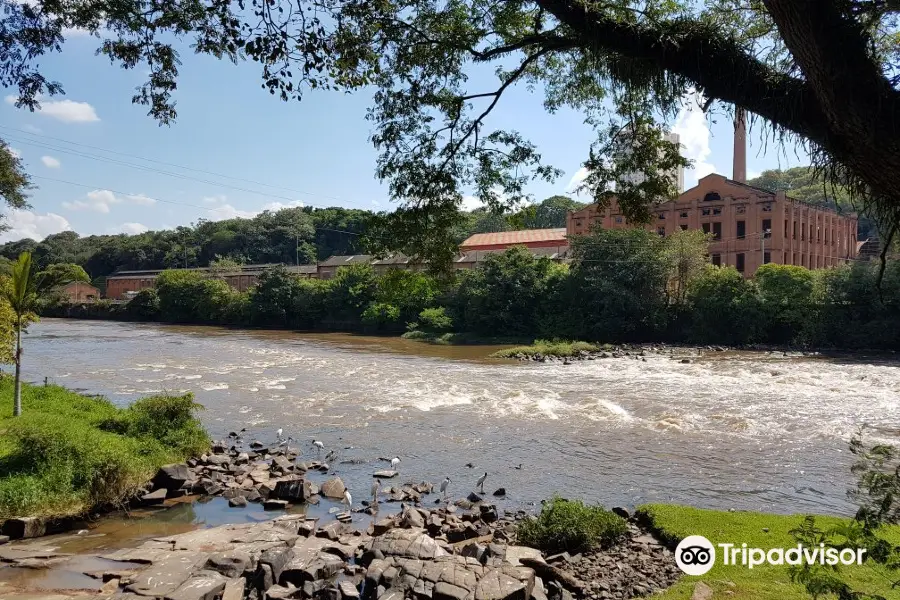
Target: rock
{"points": [[24, 528], [256, 445], [473, 497], [4, 539], [384, 525], [295, 490], [447, 591], [622, 512], [229, 564], [408, 543], [166, 576], [500, 492], [334, 488], [242, 458], [413, 519], [205, 585], [280, 463], [277, 592], [515, 554], [312, 588], [385, 474], [154, 497], [219, 460], [702, 592], [277, 558], [237, 502], [172, 477], [234, 589], [275, 504], [332, 531], [685, 361], [307, 528], [496, 585], [348, 591]]}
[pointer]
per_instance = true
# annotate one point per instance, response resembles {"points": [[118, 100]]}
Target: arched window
{"points": [[711, 197]]}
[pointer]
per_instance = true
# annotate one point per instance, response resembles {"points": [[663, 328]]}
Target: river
{"points": [[759, 431]]}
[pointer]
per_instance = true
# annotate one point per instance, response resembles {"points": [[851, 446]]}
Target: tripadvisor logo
{"points": [[696, 555]]}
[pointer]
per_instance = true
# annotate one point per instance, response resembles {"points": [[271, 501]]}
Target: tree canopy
{"points": [[820, 73]]}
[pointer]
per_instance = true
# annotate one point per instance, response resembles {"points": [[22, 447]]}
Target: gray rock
{"points": [[622, 512], [514, 554], [277, 592], [205, 585], [219, 460], [385, 474], [334, 488], [229, 564], [277, 558], [24, 528], [500, 492], [4, 539], [332, 531], [447, 591], [412, 518], [408, 543], [165, 576], [295, 490], [280, 463], [237, 502], [348, 591], [312, 588], [172, 477], [155, 497], [234, 589], [496, 585], [275, 504]]}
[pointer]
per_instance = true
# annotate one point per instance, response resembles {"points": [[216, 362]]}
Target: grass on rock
{"points": [[69, 453], [559, 348], [570, 526], [763, 582]]}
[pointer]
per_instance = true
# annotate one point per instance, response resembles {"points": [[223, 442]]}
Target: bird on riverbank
{"points": [[376, 486], [394, 462], [279, 432], [480, 482], [319, 445], [444, 485], [332, 454], [348, 499]]}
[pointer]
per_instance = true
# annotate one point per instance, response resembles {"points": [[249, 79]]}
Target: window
{"points": [[717, 230], [661, 231], [767, 228], [717, 260], [684, 227], [705, 227], [767, 207], [785, 229], [740, 262], [741, 210], [795, 235], [706, 212], [684, 214], [618, 219], [826, 235], [741, 229], [661, 216], [784, 258], [767, 257], [717, 211], [712, 197]]}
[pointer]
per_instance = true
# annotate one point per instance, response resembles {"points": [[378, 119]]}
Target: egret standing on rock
{"points": [[480, 482], [319, 445], [348, 499], [279, 432], [394, 462], [444, 485], [376, 486]]}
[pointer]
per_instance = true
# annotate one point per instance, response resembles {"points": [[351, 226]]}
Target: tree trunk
{"points": [[17, 398]]}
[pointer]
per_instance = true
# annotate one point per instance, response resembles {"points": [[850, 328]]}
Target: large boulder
{"points": [[24, 527], [408, 543], [172, 477], [497, 585], [334, 488], [293, 490]]}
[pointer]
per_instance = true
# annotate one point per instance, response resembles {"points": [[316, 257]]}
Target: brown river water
{"points": [[759, 431]]}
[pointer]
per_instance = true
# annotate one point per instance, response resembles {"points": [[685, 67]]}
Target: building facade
{"points": [[750, 226], [79, 292], [530, 238]]}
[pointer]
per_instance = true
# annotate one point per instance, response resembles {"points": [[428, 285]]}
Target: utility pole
{"points": [[297, 249]]}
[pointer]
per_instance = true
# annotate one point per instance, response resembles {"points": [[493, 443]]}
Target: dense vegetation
{"points": [[571, 526], [622, 285], [68, 453]]}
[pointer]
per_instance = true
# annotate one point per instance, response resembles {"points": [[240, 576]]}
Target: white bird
{"points": [[480, 482], [319, 445], [348, 499], [444, 485], [394, 462], [376, 487], [279, 432]]}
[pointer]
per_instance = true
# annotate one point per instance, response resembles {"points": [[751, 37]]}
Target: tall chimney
{"points": [[740, 146]]}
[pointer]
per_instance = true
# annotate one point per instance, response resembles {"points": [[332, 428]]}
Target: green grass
{"points": [[459, 339], [570, 526], [69, 453], [560, 348], [764, 582]]}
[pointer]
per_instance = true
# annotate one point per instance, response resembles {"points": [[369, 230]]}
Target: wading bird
{"points": [[319, 445], [332, 454], [480, 482], [375, 488], [279, 432], [394, 462], [444, 485], [348, 499]]}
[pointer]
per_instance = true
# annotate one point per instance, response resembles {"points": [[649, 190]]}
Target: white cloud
{"points": [[214, 199], [67, 111], [28, 224], [693, 130], [101, 201], [50, 162], [227, 211], [470, 203], [276, 206], [753, 174], [576, 180], [130, 228]]}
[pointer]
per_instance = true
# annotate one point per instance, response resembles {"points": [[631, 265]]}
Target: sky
{"points": [[102, 166]]}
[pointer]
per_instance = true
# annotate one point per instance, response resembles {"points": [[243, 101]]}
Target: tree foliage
{"points": [[821, 73]]}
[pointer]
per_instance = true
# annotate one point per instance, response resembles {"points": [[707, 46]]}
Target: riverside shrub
{"points": [[571, 526]]}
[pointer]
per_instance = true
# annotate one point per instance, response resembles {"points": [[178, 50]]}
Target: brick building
{"points": [[530, 238], [79, 292], [751, 226]]}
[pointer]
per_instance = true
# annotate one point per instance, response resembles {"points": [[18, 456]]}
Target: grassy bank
{"points": [[461, 339], [763, 582], [69, 453], [560, 348]]}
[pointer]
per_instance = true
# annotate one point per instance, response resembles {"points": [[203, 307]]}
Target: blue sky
{"points": [[315, 152]]}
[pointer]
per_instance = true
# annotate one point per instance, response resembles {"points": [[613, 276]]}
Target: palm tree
{"points": [[21, 294]]}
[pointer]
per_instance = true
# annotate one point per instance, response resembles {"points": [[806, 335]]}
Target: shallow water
{"points": [[729, 430]]}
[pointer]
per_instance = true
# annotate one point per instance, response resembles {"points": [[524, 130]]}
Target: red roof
{"points": [[512, 238]]}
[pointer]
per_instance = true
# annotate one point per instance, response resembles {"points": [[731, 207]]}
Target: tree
{"points": [[687, 253], [548, 214], [822, 73], [20, 293], [60, 274]]}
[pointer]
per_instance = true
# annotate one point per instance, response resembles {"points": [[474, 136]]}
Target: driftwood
{"points": [[549, 572]]}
